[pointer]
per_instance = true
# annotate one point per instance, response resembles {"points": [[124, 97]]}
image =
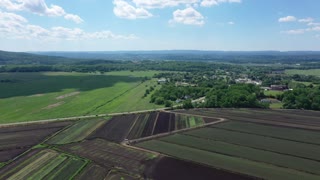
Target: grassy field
{"points": [[226, 162], [272, 93], [313, 72], [36, 96]]}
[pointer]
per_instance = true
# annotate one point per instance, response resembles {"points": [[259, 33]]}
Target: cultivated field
{"points": [[135, 126], [43, 164], [77, 132], [250, 143], [18, 139], [181, 144], [36, 96]]}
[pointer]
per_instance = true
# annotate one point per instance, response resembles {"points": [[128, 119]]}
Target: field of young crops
{"points": [[264, 150], [43, 164]]}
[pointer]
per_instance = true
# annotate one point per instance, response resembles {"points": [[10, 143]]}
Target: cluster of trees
{"points": [[302, 98], [235, 96], [169, 92]]}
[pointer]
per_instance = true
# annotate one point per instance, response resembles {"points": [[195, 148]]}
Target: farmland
{"points": [[135, 126], [179, 144], [77, 132], [43, 164], [18, 139], [36, 96], [257, 147], [312, 72]]}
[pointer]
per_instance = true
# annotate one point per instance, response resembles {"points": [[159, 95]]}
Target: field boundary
{"points": [[133, 141]]}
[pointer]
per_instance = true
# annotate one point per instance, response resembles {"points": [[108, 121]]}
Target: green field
{"points": [[272, 93], [301, 135], [245, 153], [36, 96], [312, 72], [77, 132], [260, 142], [226, 162]]}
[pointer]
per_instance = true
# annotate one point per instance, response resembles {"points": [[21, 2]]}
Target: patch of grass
{"points": [[272, 93], [276, 105], [312, 72], [77, 131]]}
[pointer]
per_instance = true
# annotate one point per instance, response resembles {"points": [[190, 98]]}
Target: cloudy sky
{"points": [[107, 25]]}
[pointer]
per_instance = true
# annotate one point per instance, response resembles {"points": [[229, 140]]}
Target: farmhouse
{"points": [[279, 87], [162, 81], [248, 81]]}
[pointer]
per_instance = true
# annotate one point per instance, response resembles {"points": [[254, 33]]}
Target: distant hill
{"points": [[30, 59], [191, 55]]}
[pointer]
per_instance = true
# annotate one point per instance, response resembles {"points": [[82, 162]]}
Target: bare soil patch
{"points": [[67, 95]]}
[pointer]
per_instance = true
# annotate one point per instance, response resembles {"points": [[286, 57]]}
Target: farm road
{"points": [[76, 118]]}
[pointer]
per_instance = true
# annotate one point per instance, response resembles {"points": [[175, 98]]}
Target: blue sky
{"points": [[109, 25]]}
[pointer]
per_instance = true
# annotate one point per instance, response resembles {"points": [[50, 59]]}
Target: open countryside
{"points": [[159, 90]]}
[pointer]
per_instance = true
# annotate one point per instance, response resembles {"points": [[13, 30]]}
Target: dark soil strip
{"points": [[168, 168], [116, 129], [162, 124], [172, 122], [149, 126], [21, 128], [12, 153]]}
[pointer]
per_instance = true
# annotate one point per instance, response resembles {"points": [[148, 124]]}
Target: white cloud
{"points": [[287, 19], [124, 10], [231, 23], [209, 3], [74, 18], [14, 26], [188, 16], [294, 31], [313, 24], [306, 20], [38, 7], [152, 4]]}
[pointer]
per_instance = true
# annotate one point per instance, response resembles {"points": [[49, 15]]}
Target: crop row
{"points": [[244, 152], [303, 150], [43, 164], [300, 135], [226, 162], [109, 154]]}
